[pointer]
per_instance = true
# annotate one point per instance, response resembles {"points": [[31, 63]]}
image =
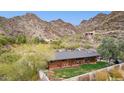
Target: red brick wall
{"points": [[70, 63]]}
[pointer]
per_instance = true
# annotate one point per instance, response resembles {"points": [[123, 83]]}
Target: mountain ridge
{"points": [[32, 26]]}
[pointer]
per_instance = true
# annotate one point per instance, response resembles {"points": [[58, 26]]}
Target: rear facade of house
{"points": [[73, 58]]}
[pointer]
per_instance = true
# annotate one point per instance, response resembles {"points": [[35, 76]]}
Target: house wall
{"points": [[70, 63]]}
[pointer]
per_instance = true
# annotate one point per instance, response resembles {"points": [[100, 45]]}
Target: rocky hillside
{"points": [[93, 23], [62, 28], [32, 26], [112, 21]]}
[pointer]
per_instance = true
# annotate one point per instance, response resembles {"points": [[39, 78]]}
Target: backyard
{"points": [[74, 71]]}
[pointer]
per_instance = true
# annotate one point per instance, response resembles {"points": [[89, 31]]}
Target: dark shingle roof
{"points": [[75, 54]]}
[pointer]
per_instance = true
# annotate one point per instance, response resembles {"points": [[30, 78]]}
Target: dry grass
{"points": [[102, 75], [116, 74], [113, 74]]}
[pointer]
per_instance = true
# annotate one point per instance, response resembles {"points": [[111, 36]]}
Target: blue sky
{"points": [[74, 17]]}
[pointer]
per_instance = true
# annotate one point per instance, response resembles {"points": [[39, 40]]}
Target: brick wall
{"points": [[70, 63]]}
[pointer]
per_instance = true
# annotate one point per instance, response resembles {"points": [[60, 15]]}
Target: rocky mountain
{"points": [[32, 26], [62, 28], [92, 23], [112, 21], [29, 25]]}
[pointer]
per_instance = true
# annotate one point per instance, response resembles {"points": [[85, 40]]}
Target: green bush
{"points": [[87, 46], [37, 40], [7, 72], [9, 57], [57, 42], [17, 72], [4, 49], [20, 39], [25, 68], [3, 40]]}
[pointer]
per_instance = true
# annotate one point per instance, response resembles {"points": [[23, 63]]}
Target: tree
{"points": [[109, 48], [121, 49], [121, 45]]}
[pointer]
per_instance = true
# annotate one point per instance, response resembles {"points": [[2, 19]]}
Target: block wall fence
{"points": [[103, 74]]}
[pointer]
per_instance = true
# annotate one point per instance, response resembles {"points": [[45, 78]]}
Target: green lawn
{"points": [[74, 71]]}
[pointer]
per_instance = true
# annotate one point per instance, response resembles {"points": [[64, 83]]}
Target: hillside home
{"points": [[89, 35], [73, 58]]}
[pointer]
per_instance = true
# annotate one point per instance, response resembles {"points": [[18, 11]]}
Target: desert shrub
{"points": [[3, 40], [9, 57], [98, 37], [38, 40], [121, 48], [69, 45], [23, 62], [116, 74], [3, 50], [26, 70], [121, 56], [19, 39], [17, 72], [56, 42], [72, 46], [7, 72], [4, 44], [38, 62], [87, 46]]}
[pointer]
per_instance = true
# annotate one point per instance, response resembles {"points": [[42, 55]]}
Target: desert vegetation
{"points": [[28, 42], [72, 42], [111, 48], [22, 57], [20, 60]]}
